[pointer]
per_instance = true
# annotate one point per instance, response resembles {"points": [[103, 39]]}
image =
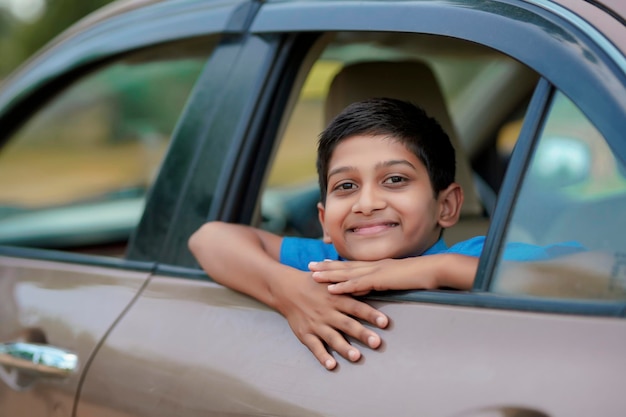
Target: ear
{"points": [[321, 213], [450, 202]]}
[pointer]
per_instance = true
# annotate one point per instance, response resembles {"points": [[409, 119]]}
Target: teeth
{"points": [[355, 229]]}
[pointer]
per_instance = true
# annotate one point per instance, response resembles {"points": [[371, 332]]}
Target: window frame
{"points": [[538, 110], [564, 38], [234, 89], [590, 62], [88, 46]]}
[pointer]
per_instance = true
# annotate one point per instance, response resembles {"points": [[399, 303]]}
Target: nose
{"points": [[369, 199]]}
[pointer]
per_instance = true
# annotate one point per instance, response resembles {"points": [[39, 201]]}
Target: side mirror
{"points": [[560, 161]]}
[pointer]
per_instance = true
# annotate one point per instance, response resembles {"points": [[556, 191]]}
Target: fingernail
{"points": [[353, 354], [328, 260], [372, 341], [381, 321], [312, 264], [329, 364], [315, 274], [331, 287]]}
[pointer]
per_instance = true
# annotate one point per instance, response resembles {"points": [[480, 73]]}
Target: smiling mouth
{"points": [[372, 229]]}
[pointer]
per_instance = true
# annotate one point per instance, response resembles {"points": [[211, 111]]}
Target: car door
{"points": [[85, 126], [138, 370], [496, 350]]}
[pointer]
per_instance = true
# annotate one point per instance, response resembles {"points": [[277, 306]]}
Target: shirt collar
{"points": [[439, 247]]}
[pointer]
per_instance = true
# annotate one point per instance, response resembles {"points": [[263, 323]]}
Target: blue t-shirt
{"points": [[297, 252]]}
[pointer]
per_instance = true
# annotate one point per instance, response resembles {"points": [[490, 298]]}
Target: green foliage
{"points": [[19, 40]]}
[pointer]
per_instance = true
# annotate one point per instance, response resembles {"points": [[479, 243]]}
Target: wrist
{"points": [[282, 288], [456, 271]]}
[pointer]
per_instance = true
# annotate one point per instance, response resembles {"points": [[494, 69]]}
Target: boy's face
{"points": [[380, 202]]}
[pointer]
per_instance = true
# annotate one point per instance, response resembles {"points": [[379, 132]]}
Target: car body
{"points": [[149, 118]]}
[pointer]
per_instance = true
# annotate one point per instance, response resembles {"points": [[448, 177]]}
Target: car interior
{"points": [[436, 73]]}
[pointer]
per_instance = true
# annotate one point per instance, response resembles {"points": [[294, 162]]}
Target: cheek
{"points": [[335, 211], [415, 203], [333, 225], [419, 211], [331, 218]]}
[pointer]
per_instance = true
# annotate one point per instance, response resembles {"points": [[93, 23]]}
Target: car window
{"points": [[572, 201], [75, 175], [474, 83]]}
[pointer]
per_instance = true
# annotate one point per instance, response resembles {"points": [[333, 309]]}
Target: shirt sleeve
{"points": [[297, 252], [515, 251], [470, 247], [518, 251]]}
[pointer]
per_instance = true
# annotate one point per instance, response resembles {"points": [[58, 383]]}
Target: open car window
{"points": [[75, 175], [572, 201], [473, 92]]}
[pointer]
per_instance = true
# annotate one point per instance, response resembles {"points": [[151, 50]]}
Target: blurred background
{"points": [[27, 25], [57, 186]]}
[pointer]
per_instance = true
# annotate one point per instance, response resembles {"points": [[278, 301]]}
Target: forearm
{"points": [[455, 271], [433, 272], [247, 260], [251, 268], [413, 273]]}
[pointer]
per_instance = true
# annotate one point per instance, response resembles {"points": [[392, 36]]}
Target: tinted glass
{"points": [[76, 173], [572, 204]]}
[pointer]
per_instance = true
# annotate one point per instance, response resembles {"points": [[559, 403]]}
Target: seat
{"points": [[412, 81]]}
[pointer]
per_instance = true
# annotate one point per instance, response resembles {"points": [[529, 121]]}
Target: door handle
{"points": [[38, 360]]}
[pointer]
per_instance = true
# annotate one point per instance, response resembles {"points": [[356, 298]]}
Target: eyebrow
{"points": [[384, 164], [393, 162]]}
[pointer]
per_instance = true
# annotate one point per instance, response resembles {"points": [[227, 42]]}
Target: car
{"points": [[149, 118]]}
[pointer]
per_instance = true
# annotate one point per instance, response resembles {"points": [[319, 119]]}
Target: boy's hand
{"points": [[413, 273], [361, 277], [319, 318]]}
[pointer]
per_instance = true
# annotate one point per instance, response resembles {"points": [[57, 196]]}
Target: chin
{"points": [[375, 255]]}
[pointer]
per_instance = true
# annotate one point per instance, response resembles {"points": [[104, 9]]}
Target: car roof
{"points": [[105, 12], [608, 16], [615, 8], [112, 9]]}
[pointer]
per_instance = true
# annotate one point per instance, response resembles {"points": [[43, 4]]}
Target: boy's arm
{"points": [[415, 273], [246, 259]]}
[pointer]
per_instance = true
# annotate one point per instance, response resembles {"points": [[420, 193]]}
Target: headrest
{"points": [[411, 81]]}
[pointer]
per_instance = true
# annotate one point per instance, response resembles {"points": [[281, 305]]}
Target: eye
{"points": [[395, 179], [345, 186]]}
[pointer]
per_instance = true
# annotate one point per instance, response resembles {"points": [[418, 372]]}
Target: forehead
{"points": [[368, 150]]}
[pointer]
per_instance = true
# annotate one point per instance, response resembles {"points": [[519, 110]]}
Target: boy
{"points": [[386, 173]]}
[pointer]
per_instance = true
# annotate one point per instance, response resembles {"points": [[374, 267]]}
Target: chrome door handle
{"points": [[38, 360]]}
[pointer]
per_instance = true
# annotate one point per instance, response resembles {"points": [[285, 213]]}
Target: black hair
{"points": [[399, 120]]}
